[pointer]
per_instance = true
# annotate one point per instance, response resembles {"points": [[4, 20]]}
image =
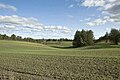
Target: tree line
{"points": [[28, 39], [85, 38], [112, 37], [81, 38]]}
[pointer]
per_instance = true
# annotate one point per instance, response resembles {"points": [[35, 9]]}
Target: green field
{"points": [[33, 61]]}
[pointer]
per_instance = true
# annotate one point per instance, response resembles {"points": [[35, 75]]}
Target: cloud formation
{"points": [[111, 8], [70, 6], [93, 3], [87, 19], [6, 6], [15, 21]]}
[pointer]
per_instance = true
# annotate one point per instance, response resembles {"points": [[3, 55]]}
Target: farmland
{"points": [[24, 60]]}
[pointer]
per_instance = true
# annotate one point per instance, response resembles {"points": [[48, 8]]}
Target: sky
{"points": [[58, 18]]}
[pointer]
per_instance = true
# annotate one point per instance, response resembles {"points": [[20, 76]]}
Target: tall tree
{"points": [[0, 37], [5, 37], [78, 41], [84, 36], [115, 36], [13, 37], [19, 38], [90, 37], [106, 37]]}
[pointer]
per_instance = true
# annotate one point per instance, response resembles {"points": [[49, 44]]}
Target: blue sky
{"points": [[58, 18]]}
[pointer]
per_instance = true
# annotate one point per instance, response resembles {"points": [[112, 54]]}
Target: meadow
{"points": [[33, 61]]}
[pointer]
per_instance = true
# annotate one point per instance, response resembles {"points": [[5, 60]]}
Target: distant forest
{"points": [[85, 38], [29, 39], [81, 38]]}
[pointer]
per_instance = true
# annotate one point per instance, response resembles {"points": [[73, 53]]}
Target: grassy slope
{"points": [[80, 63], [59, 44], [34, 48]]}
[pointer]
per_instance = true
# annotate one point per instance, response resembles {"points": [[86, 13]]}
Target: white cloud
{"points": [[15, 21], [101, 4], [91, 3], [107, 29], [98, 3], [100, 21], [107, 7], [105, 13], [111, 0], [9, 26], [87, 19], [9, 7], [80, 20], [97, 22], [70, 6]]}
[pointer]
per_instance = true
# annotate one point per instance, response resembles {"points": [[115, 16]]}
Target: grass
{"points": [[23, 60], [103, 46], [59, 44]]}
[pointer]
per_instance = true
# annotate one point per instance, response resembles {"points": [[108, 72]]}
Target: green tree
{"points": [[84, 36], [19, 38], [78, 41], [0, 37], [106, 37], [13, 37], [90, 37], [114, 36], [5, 37]]}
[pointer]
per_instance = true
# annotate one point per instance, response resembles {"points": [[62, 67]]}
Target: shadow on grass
{"points": [[102, 46], [60, 47], [96, 46]]}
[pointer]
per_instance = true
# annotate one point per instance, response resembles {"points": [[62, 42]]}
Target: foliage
{"points": [[13, 37], [78, 41], [106, 37], [28, 39], [113, 37], [83, 38]]}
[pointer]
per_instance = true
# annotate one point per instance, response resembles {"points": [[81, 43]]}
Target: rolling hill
{"points": [[24, 60]]}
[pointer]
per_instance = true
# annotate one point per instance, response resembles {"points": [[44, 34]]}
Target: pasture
{"points": [[32, 61]]}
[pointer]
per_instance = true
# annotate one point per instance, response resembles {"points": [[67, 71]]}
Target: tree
{"points": [[84, 36], [0, 37], [19, 38], [5, 37], [106, 37], [78, 41], [13, 37], [90, 37], [114, 36]]}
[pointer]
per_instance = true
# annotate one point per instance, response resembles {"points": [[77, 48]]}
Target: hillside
{"points": [[57, 49], [24, 60]]}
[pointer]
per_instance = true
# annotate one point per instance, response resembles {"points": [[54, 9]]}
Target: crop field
{"points": [[32, 61]]}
